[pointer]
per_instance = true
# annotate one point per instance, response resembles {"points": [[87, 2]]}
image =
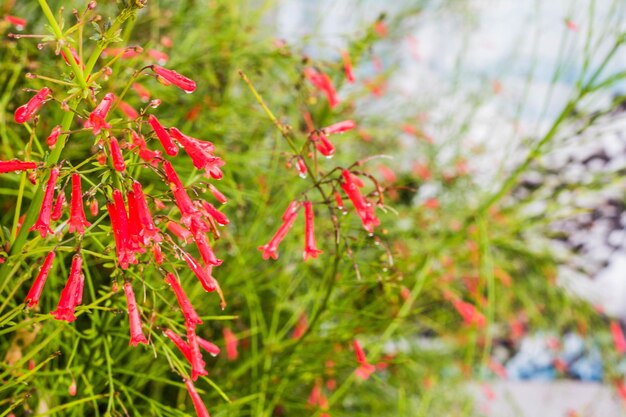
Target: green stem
{"points": [[60, 38]]}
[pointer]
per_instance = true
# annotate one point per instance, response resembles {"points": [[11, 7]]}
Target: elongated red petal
{"points": [[97, 117], [32, 298], [231, 343]]}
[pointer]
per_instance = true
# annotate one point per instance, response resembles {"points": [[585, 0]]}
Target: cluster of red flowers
{"points": [[133, 226]]}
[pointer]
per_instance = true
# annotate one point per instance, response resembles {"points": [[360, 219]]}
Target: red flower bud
{"points": [[231, 342], [184, 203], [28, 110], [116, 155], [217, 194], [18, 22], [149, 231], [32, 298], [74, 56], [310, 247], [43, 222], [146, 154], [58, 207], [54, 135], [78, 221], [172, 77], [170, 147], [211, 348]]}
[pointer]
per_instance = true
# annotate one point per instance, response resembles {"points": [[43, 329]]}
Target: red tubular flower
{"points": [[197, 363], [310, 247], [78, 221], [74, 56], [180, 343], [72, 294], [217, 194], [340, 127], [347, 66], [28, 110], [43, 222], [211, 348], [205, 278], [119, 224], [150, 156], [168, 145], [160, 57], [178, 230], [469, 313], [184, 203], [149, 231], [269, 249], [32, 298], [54, 135], [172, 77], [116, 155], [134, 225], [98, 115], [16, 165], [364, 209], [300, 327], [58, 207], [217, 215], [200, 153], [618, 337], [198, 405], [208, 256], [323, 83], [339, 201], [136, 334], [191, 317], [365, 369], [18, 22], [231, 342], [143, 92], [128, 110], [323, 145], [158, 255]]}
